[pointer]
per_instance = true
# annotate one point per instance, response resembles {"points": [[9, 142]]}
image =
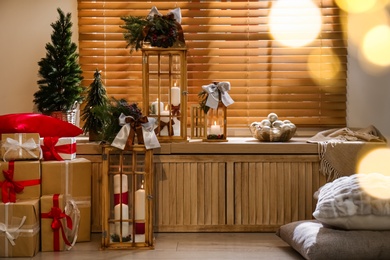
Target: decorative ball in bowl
{"points": [[272, 129]]}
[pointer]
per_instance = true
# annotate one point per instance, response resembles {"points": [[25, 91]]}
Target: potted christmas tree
{"points": [[96, 113], [60, 89]]}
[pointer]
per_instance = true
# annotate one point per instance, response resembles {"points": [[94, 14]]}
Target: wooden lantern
{"points": [[127, 192], [164, 80], [215, 125], [197, 123], [215, 99]]}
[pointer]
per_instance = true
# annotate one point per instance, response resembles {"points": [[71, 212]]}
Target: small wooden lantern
{"points": [[215, 125], [164, 75], [215, 99], [197, 123], [127, 192]]}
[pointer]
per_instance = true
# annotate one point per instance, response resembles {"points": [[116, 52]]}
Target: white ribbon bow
{"points": [[12, 233], [214, 91], [150, 138], [176, 13], [13, 145]]}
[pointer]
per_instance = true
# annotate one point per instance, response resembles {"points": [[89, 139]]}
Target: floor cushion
{"points": [[314, 240]]}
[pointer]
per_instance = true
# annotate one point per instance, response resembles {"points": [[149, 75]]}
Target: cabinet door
{"points": [[190, 193], [271, 191]]}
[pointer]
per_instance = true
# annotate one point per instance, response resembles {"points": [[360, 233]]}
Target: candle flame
{"points": [[166, 107], [215, 122]]}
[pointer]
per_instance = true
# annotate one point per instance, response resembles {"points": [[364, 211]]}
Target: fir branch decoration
{"points": [[117, 107], [160, 31]]}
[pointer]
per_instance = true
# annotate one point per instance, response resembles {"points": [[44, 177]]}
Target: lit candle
{"points": [[215, 129], [156, 105], [117, 189], [175, 95], [125, 216]]}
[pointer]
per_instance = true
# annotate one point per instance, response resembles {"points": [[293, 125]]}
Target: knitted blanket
{"points": [[339, 149]]}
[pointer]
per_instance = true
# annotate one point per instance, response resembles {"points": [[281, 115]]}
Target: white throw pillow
{"points": [[343, 203]]}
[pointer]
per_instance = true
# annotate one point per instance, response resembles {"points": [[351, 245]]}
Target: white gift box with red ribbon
{"points": [[58, 149]]}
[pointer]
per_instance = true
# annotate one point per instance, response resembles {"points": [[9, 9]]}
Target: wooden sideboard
{"points": [[238, 186]]}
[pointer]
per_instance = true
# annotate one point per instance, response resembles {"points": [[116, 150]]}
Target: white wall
{"points": [[25, 29]]}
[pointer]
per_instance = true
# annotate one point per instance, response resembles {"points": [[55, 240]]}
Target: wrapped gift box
{"points": [[20, 180], [71, 178], [53, 215], [58, 149], [21, 219], [20, 146]]}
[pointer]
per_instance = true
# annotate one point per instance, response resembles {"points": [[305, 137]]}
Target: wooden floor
{"points": [[203, 246]]}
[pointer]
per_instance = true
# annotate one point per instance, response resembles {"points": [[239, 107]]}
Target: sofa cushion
{"points": [[313, 240], [45, 126], [345, 203]]}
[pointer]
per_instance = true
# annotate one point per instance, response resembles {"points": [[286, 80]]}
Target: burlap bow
{"points": [[12, 231], [169, 126], [14, 145], [176, 111], [218, 92]]}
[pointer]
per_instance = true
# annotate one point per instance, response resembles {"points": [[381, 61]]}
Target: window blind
{"points": [[227, 41]]}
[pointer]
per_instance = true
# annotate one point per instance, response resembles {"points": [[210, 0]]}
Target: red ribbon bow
{"points": [[51, 152], [56, 214], [9, 186]]}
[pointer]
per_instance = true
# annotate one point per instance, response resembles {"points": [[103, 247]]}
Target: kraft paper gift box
{"points": [[58, 149], [21, 221], [20, 180], [71, 177], [54, 223], [20, 146]]}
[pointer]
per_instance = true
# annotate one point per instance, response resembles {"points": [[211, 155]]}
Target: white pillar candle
{"points": [[118, 194], [176, 127], [215, 129], [117, 183], [140, 204], [125, 216], [164, 131], [175, 95], [155, 107]]}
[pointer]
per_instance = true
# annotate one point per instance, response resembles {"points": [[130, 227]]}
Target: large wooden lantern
{"points": [[127, 208], [164, 75], [215, 102]]}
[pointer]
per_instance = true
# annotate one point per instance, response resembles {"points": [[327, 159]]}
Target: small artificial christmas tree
{"points": [[96, 113], [60, 84]]}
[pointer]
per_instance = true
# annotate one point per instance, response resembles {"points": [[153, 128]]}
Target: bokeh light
{"points": [[376, 45], [374, 162], [356, 6], [323, 66], [295, 23]]}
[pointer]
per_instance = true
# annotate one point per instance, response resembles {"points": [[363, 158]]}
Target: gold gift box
{"points": [[27, 173], [72, 178], [26, 242], [20, 146]]}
